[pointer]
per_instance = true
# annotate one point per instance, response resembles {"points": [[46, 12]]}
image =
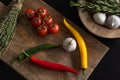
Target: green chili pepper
{"points": [[36, 49]]}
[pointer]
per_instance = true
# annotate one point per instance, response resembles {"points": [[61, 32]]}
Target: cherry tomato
{"points": [[36, 21], [42, 12], [48, 20], [30, 13], [42, 30], [54, 28]]}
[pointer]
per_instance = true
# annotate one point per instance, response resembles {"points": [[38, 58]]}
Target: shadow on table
{"points": [[7, 73]]}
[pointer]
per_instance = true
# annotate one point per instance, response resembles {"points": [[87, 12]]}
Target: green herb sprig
{"points": [[8, 23], [104, 6]]}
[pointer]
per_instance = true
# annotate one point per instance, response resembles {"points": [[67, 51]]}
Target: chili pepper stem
{"points": [[26, 54], [14, 62], [83, 71]]}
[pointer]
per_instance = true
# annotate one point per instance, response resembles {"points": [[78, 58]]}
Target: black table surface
{"points": [[107, 69]]}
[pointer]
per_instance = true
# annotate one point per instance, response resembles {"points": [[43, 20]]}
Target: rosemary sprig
{"points": [[8, 23], [110, 3], [103, 6]]}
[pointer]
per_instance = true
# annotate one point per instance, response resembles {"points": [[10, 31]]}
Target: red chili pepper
{"points": [[50, 65]]}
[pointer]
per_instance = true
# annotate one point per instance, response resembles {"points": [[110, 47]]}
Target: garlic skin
{"points": [[99, 18], [69, 44], [113, 22]]}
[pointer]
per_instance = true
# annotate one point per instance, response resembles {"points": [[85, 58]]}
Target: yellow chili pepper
{"points": [[81, 45]]}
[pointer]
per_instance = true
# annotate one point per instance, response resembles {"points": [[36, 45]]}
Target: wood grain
{"points": [[26, 37], [94, 28]]}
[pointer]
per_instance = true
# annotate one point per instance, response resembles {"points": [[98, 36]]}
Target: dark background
{"points": [[107, 69]]}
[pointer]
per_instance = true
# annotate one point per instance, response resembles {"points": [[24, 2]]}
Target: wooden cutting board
{"points": [[26, 37]]}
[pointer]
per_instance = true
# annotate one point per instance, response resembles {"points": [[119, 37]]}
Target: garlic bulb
{"points": [[113, 22], [69, 44], [99, 18]]}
